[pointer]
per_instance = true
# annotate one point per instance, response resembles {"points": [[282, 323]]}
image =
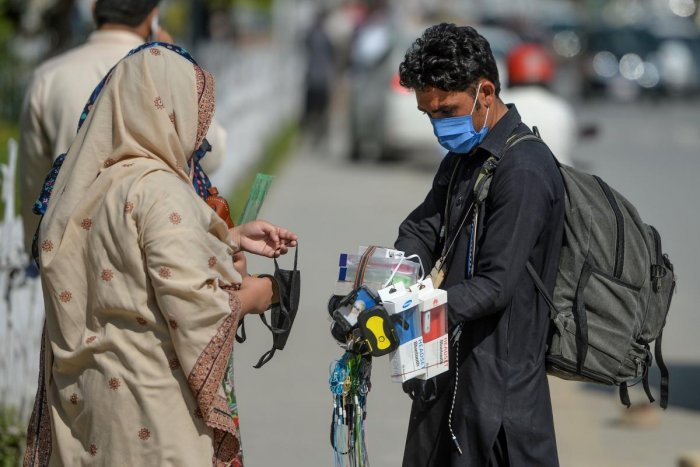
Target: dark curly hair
{"points": [[450, 58], [128, 12]]}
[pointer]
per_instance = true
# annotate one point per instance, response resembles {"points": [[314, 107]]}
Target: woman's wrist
{"points": [[235, 237], [275, 288]]}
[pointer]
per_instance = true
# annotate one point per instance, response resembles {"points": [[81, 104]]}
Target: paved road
{"points": [[648, 153]]}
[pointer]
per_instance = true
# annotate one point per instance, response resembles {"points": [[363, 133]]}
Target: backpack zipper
{"points": [[657, 270], [620, 222], [591, 375], [657, 245]]}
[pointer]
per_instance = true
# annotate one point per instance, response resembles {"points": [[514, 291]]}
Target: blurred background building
{"points": [[316, 82]]}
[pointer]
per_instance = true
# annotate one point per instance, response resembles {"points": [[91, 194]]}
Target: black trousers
{"points": [[499, 452]]}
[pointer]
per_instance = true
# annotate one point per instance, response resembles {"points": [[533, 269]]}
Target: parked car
{"points": [[383, 118], [621, 62]]}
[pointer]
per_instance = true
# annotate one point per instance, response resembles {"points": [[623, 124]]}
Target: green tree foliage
{"points": [[11, 438]]}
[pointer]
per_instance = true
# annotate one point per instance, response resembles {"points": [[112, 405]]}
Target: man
{"points": [[61, 86], [530, 74], [499, 413]]}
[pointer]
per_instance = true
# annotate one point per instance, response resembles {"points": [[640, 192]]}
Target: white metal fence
{"points": [[21, 305]]}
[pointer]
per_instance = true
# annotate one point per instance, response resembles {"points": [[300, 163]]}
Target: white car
{"points": [[383, 116]]}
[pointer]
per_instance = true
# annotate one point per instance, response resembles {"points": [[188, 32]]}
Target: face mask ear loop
{"points": [[476, 99], [485, 119]]}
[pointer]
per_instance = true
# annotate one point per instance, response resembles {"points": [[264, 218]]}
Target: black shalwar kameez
{"points": [[502, 385]]}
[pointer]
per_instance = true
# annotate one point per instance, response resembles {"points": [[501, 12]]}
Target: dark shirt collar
{"points": [[496, 137]]}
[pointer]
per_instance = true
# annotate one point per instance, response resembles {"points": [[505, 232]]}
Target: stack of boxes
{"points": [[417, 310]]}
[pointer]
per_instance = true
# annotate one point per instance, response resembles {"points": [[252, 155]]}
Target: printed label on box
{"points": [[437, 357], [408, 361]]}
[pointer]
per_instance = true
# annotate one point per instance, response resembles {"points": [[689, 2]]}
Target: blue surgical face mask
{"points": [[457, 134]]}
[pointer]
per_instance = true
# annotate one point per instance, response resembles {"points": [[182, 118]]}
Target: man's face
{"points": [[437, 103]]}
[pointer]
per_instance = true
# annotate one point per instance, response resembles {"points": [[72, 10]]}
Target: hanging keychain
{"points": [[349, 383]]}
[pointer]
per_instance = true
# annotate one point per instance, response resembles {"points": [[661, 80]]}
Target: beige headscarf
{"points": [[135, 265], [144, 124]]}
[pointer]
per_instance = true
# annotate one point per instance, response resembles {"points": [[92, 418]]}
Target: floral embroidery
{"points": [[173, 324], [128, 207], [65, 296], [141, 321], [205, 94], [107, 275], [39, 436], [90, 339], [114, 383], [74, 399], [144, 434], [205, 380], [86, 223], [198, 413], [109, 162], [171, 116], [165, 273], [175, 218], [212, 261], [158, 102], [93, 450], [174, 363], [128, 164], [154, 51], [47, 245]]}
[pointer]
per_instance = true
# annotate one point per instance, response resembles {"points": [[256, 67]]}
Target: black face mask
{"points": [[282, 313]]}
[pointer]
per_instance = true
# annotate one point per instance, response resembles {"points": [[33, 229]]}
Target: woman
{"points": [[142, 297]]}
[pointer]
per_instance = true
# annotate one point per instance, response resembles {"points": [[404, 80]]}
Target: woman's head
{"points": [[154, 103]]}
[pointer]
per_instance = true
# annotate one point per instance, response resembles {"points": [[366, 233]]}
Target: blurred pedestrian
{"points": [[531, 70], [142, 297], [320, 77], [60, 87], [493, 407]]}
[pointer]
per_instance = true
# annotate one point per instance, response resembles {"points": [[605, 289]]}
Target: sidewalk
{"points": [[286, 406]]}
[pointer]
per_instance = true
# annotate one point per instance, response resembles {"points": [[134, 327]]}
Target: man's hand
{"points": [[262, 238]]}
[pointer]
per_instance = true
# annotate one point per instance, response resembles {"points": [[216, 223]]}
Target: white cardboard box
{"points": [[433, 307], [408, 361]]}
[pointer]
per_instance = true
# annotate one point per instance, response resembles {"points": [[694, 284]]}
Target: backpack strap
{"points": [[542, 290], [482, 184], [483, 180], [625, 395], [664, 372]]}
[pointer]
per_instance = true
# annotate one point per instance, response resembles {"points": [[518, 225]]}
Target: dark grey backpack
{"points": [[613, 288]]}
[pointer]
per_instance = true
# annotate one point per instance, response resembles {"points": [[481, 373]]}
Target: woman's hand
{"points": [[256, 294], [240, 263], [262, 238]]}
